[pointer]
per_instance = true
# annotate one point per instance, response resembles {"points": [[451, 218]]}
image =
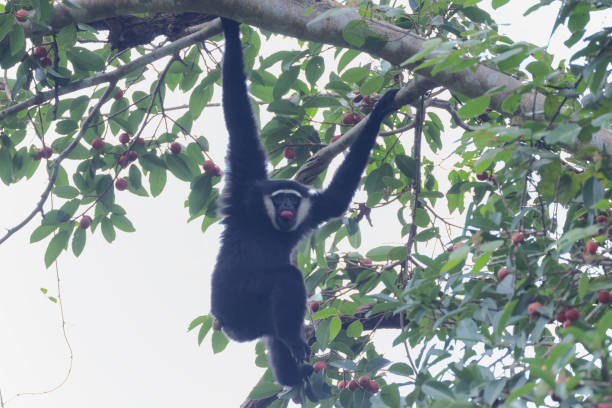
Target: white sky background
{"points": [[127, 304]]}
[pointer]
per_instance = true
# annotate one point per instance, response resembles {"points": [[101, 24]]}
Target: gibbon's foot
{"points": [[299, 350], [384, 104]]}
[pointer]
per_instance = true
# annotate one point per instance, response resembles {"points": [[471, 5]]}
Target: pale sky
{"points": [[127, 304]]}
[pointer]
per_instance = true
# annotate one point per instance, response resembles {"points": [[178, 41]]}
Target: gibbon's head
{"points": [[287, 206]]}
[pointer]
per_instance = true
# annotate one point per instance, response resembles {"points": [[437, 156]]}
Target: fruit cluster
{"points": [[363, 382]]}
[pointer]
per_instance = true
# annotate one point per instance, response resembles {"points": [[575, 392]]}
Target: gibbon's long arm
{"points": [[335, 199], [247, 160]]}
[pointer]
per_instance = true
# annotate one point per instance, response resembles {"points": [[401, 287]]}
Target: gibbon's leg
{"points": [[286, 370], [287, 310]]}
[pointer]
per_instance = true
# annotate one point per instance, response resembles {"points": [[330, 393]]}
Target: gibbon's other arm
{"points": [[335, 199], [247, 160]]}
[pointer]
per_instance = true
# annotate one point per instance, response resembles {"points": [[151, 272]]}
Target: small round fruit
{"points": [[175, 147], [560, 317], [357, 99], [567, 324], [97, 143], [124, 138], [22, 15], [517, 238], [364, 381], [118, 95], [85, 222], [532, 309], [374, 386], [314, 306], [208, 166], [140, 141], [40, 52], [132, 155], [602, 405], [121, 184], [604, 296], [216, 171], [353, 385], [289, 153], [320, 366], [123, 160], [347, 119], [341, 385], [602, 219], [572, 314], [46, 152], [483, 176], [590, 247], [365, 261], [502, 273], [45, 62]]}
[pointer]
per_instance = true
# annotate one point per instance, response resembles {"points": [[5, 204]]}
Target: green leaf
{"points": [[314, 69], [334, 328], [264, 390], [17, 40], [66, 37], [592, 193], [390, 395], [401, 369], [285, 82], [57, 244], [474, 107], [200, 96], [325, 313], [407, 165], [372, 85], [108, 231], [135, 177], [85, 60], [201, 188], [42, 232], [157, 181], [178, 167], [354, 329], [219, 341], [78, 241], [122, 223], [68, 192], [438, 391]]}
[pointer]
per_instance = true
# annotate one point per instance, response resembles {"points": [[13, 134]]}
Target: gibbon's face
{"points": [[286, 209]]}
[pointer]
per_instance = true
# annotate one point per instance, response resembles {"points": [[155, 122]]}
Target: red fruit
{"points": [[365, 261], [357, 99], [85, 222], [572, 314], [364, 381], [373, 386], [603, 296], [124, 138], [602, 405], [347, 119], [40, 52], [335, 138], [216, 171], [314, 306], [175, 147], [502, 273], [21, 16], [132, 155], [46, 152], [97, 143], [590, 247], [38, 155], [341, 385], [121, 184], [353, 385], [560, 317], [140, 141], [517, 238], [123, 160], [45, 62], [532, 309], [208, 166], [319, 366], [118, 95], [602, 219], [483, 176], [289, 153], [567, 324]]}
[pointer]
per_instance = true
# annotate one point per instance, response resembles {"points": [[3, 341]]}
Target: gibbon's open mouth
{"points": [[286, 215]]}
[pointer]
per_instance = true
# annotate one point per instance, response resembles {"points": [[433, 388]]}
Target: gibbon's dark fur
{"points": [[256, 291]]}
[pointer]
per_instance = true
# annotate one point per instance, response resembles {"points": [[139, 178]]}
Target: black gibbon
{"points": [[256, 291]]}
